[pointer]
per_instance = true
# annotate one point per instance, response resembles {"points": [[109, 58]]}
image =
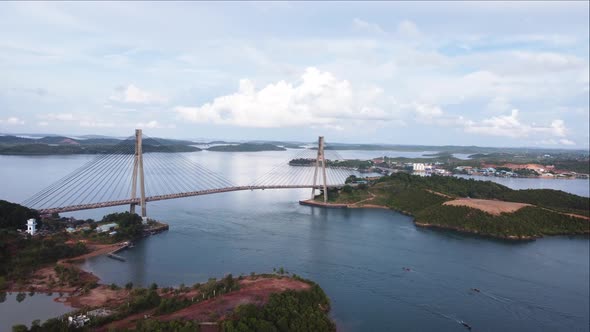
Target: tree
{"points": [[20, 328], [347, 189], [351, 179], [14, 216]]}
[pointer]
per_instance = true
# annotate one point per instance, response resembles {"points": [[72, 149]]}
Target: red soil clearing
{"points": [[252, 291], [489, 206]]}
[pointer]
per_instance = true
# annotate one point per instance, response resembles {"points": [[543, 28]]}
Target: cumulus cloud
{"points": [[97, 124], [565, 141], [408, 29], [12, 121], [153, 125], [427, 113], [58, 116], [549, 61], [499, 105], [511, 126], [134, 95], [362, 25], [317, 99]]}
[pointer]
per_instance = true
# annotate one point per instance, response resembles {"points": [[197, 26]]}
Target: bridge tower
{"points": [[320, 158], [138, 171]]}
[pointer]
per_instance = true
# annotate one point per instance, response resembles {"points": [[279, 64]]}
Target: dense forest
{"points": [[246, 147], [423, 197], [45, 149], [20, 256], [14, 216], [287, 311]]}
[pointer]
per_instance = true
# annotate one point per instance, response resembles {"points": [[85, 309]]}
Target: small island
{"points": [[246, 147], [466, 205]]}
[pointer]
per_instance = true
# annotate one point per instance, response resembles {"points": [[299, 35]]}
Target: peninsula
{"points": [[466, 205]]}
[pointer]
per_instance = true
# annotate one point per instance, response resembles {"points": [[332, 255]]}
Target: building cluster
{"points": [[78, 321], [386, 166], [70, 225], [518, 170], [428, 168]]}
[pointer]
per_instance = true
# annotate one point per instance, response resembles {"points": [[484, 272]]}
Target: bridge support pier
{"points": [[320, 158], [138, 171]]}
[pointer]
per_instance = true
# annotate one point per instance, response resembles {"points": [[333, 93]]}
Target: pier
{"points": [[113, 254]]}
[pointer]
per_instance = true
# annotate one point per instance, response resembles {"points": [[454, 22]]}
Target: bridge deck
{"points": [[172, 196]]}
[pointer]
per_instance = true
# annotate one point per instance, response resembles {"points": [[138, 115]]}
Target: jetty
{"points": [[113, 254], [324, 205]]}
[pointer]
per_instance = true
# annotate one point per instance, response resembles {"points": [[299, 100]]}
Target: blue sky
{"points": [[465, 73]]}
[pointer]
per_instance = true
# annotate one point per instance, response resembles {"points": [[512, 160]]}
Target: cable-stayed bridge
{"points": [[132, 174]]}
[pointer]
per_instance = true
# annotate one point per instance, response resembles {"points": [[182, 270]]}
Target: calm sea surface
{"points": [[357, 256]]}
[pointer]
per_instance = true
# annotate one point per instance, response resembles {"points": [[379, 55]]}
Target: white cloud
{"points": [[499, 105], [97, 124], [42, 123], [510, 126], [317, 99], [426, 113], [362, 25], [408, 29], [58, 116], [548, 61], [134, 95], [565, 141], [12, 121], [153, 125]]}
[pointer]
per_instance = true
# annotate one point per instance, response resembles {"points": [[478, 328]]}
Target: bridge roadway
{"points": [[137, 201]]}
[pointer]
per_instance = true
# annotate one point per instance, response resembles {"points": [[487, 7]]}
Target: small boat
{"points": [[475, 290], [407, 269], [465, 324]]}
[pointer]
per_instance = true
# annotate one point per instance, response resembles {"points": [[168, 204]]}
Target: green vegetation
{"points": [[12, 145], [20, 256], [287, 311], [349, 163], [528, 222], [150, 325], [45, 149], [130, 225], [246, 147], [304, 310], [423, 197], [14, 216]]}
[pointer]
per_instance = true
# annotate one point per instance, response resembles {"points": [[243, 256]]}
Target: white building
{"points": [[32, 226], [418, 167], [106, 227]]}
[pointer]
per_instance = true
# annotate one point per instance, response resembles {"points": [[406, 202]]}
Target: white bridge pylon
{"points": [[141, 169]]}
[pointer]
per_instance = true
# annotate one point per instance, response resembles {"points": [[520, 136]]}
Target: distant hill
{"points": [[246, 147], [49, 145], [9, 139]]}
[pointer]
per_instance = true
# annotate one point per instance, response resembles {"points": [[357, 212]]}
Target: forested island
{"points": [[348, 163], [246, 147], [466, 205], [60, 145]]}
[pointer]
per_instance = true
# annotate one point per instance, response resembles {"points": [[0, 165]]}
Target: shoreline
{"points": [[434, 226], [70, 294]]}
